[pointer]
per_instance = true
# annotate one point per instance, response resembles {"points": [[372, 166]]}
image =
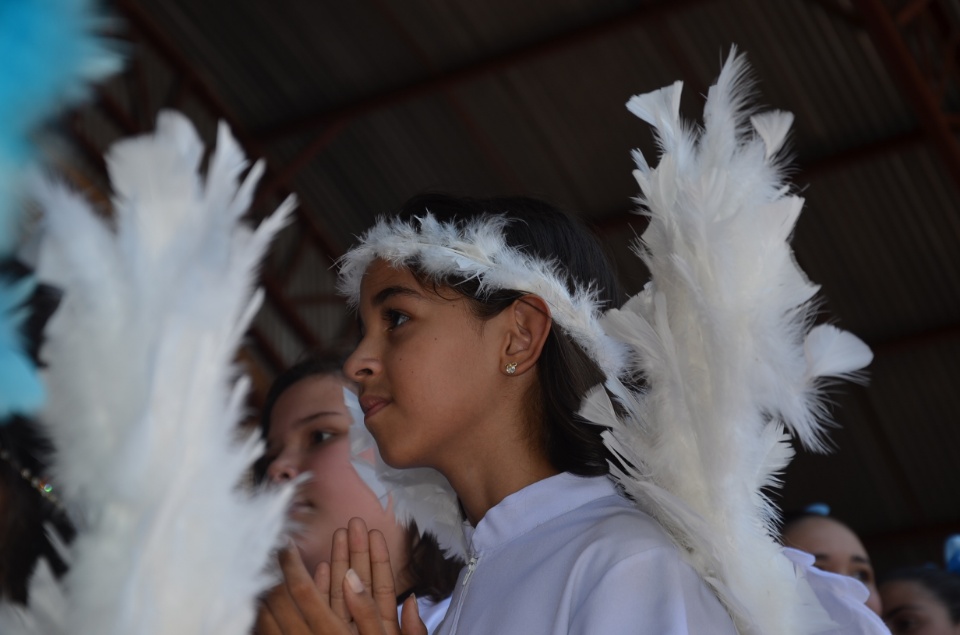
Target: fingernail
{"points": [[354, 581]]}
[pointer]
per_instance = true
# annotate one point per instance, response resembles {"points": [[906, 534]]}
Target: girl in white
{"points": [[606, 464]]}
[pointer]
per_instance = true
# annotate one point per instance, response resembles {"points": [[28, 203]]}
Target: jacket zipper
{"points": [[471, 567]]}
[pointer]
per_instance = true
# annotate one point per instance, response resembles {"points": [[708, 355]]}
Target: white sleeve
{"points": [[651, 593]]}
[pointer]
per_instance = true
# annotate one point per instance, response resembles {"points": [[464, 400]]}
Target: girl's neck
{"points": [[483, 487]]}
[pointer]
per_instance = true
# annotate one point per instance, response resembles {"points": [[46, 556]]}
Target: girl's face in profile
{"points": [[911, 609], [309, 428], [836, 549], [429, 371]]}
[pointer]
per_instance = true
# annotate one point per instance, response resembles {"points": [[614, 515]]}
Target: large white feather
{"points": [[145, 398], [720, 338]]}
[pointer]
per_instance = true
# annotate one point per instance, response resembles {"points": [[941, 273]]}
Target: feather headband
{"points": [[477, 250]]}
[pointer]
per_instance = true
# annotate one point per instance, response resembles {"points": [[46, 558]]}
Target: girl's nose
{"points": [[282, 469], [361, 364]]}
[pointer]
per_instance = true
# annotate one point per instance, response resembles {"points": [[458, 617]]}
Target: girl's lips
{"points": [[300, 507], [372, 405]]}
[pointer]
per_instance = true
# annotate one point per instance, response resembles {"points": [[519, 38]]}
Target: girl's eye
{"points": [[902, 625], [319, 437], [863, 575], [395, 318]]}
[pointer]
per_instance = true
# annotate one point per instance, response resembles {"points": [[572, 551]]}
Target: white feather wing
{"points": [[145, 398], [722, 340]]}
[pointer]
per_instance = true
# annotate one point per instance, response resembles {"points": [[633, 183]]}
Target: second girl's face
{"points": [[836, 549], [428, 370], [910, 609], [309, 428]]}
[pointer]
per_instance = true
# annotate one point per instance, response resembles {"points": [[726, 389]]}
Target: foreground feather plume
{"points": [[144, 398], [722, 339]]}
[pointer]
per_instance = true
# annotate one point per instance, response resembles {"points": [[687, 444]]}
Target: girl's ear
{"points": [[528, 325]]}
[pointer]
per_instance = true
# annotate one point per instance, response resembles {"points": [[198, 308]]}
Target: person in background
{"points": [[921, 601], [835, 546], [306, 423]]}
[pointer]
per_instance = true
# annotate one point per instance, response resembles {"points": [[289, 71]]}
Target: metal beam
{"points": [[148, 29], [157, 39], [282, 304], [274, 186], [834, 7], [263, 344], [883, 30]]}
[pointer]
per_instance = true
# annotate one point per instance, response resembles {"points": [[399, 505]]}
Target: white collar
{"points": [[534, 505]]}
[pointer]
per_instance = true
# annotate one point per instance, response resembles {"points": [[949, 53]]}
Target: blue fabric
{"points": [[952, 553], [21, 391], [49, 51]]}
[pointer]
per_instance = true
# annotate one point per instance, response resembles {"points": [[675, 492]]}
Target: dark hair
{"points": [[792, 518], [433, 575], [565, 371], [26, 516], [310, 365], [944, 585]]}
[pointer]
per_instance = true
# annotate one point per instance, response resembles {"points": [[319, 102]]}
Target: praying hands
{"points": [[353, 594]]}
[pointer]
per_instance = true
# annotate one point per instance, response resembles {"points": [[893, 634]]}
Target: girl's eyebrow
{"points": [[304, 420], [899, 609], [314, 416], [384, 294]]}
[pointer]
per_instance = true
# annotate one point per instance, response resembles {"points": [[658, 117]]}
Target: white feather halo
{"points": [[477, 250]]}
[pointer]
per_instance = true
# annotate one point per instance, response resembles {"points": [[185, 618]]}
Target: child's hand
{"points": [[360, 561], [365, 554], [300, 605]]}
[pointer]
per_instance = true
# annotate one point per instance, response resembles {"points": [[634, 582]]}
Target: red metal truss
{"points": [[127, 107], [918, 41]]}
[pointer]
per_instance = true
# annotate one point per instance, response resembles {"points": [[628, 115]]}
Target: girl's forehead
{"points": [[382, 274]]}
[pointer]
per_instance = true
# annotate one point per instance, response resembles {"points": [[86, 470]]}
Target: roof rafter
{"points": [[888, 32]]}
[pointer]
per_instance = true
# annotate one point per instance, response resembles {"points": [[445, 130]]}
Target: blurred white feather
{"points": [[418, 495], [722, 339], [145, 399]]}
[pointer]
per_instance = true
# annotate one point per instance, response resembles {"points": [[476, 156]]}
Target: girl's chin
{"points": [[397, 460]]}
